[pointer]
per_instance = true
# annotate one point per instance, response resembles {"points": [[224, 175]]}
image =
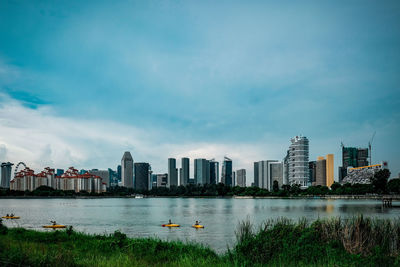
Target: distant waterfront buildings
{"points": [[241, 177], [363, 175], [127, 170], [142, 176], [162, 180], [26, 179], [297, 161], [320, 172], [214, 171], [312, 169], [352, 157], [226, 177], [201, 171], [267, 172], [104, 174], [172, 172], [5, 174], [185, 172]]}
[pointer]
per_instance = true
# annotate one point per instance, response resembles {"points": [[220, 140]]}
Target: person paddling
{"points": [[169, 222], [197, 223]]}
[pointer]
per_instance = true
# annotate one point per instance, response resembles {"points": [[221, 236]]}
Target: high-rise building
{"points": [[226, 177], [127, 170], [201, 171], [330, 170], [142, 175], [172, 172], [275, 173], [268, 172], [112, 177], [256, 176], [162, 180], [320, 177], [6, 174], [241, 177], [214, 171], [184, 179], [298, 161], [286, 168], [103, 174], [312, 166], [119, 173]]}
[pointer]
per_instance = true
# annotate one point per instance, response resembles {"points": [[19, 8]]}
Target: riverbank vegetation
{"points": [[379, 185], [357, 241]]}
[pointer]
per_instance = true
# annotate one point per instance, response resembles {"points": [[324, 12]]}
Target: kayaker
{"points": [[169, 222], [7, 215], [12, 215], [53, 222], [197, 223]]}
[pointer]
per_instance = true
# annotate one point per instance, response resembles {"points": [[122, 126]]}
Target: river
{"points": [[143, 217]]}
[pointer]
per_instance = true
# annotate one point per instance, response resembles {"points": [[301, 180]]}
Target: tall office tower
{"points": [[241, 177], [268, 172], [214, 171], [127, 170], [320, 177], [112, 177], [298, 161], [354, 157], [142, 175], [172, 172], [6, 174], [286, 168], [226, 177], [184, 179], [329, 170], [256, 176], [119, 173], [275, 173], [312, 166], [201, 171]]}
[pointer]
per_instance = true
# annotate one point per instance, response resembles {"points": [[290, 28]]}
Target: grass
{"points": [[357, 241]]}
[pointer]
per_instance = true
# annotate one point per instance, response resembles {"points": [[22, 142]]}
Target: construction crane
{"points": [[370, 148]]}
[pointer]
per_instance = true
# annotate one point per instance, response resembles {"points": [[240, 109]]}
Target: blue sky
{"points": [[197, 78]]}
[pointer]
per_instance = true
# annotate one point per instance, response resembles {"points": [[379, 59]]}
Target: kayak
{"points": [[170, 225], [10, 217], [54, 226], [197, 226]]}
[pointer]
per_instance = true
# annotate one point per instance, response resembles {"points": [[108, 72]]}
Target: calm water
{"points": [[143, 217]]}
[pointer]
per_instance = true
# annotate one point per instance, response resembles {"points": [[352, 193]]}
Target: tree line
{"points": [[379, 185]]}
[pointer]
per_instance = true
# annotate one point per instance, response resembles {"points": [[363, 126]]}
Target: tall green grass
{"points": [[357, 241]]}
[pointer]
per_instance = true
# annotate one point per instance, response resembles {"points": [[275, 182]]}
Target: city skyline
{"points": [[81, 85]]}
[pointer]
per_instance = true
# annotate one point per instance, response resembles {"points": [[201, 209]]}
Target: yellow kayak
{"points": [[170, 225], [197, 226], [10, 217], [54, 226]]}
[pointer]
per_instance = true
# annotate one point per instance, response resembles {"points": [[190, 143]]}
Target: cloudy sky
{"points": [[81, 82]]}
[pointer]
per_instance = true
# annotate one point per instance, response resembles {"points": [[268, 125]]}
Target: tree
{"points": [[275, 186], [380, 179], [394, 185]]}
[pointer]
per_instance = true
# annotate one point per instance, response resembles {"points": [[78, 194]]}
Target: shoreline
{"points": [[366, 197]]}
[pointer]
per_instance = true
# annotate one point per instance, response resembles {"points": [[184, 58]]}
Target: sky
{"points": [[83, 81]]}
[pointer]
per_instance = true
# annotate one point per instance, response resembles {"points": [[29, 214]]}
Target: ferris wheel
{"points": [[17, 167]]}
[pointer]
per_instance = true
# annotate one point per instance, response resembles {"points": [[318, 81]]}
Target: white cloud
{"points": [[40, 138]]}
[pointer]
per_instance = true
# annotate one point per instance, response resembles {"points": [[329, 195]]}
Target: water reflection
{"points": [[143, 217]]}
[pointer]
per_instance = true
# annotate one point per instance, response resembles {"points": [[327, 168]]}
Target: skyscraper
{"points": [[142, 175], [226, 177], [214, 171], [329, 170], [172, 172], [241, 177], [6, 174], [320, 177], [127, 170], [268, 172], [312, 167], [256, 176], [298, 161], [184, 179], [201, 171]]}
